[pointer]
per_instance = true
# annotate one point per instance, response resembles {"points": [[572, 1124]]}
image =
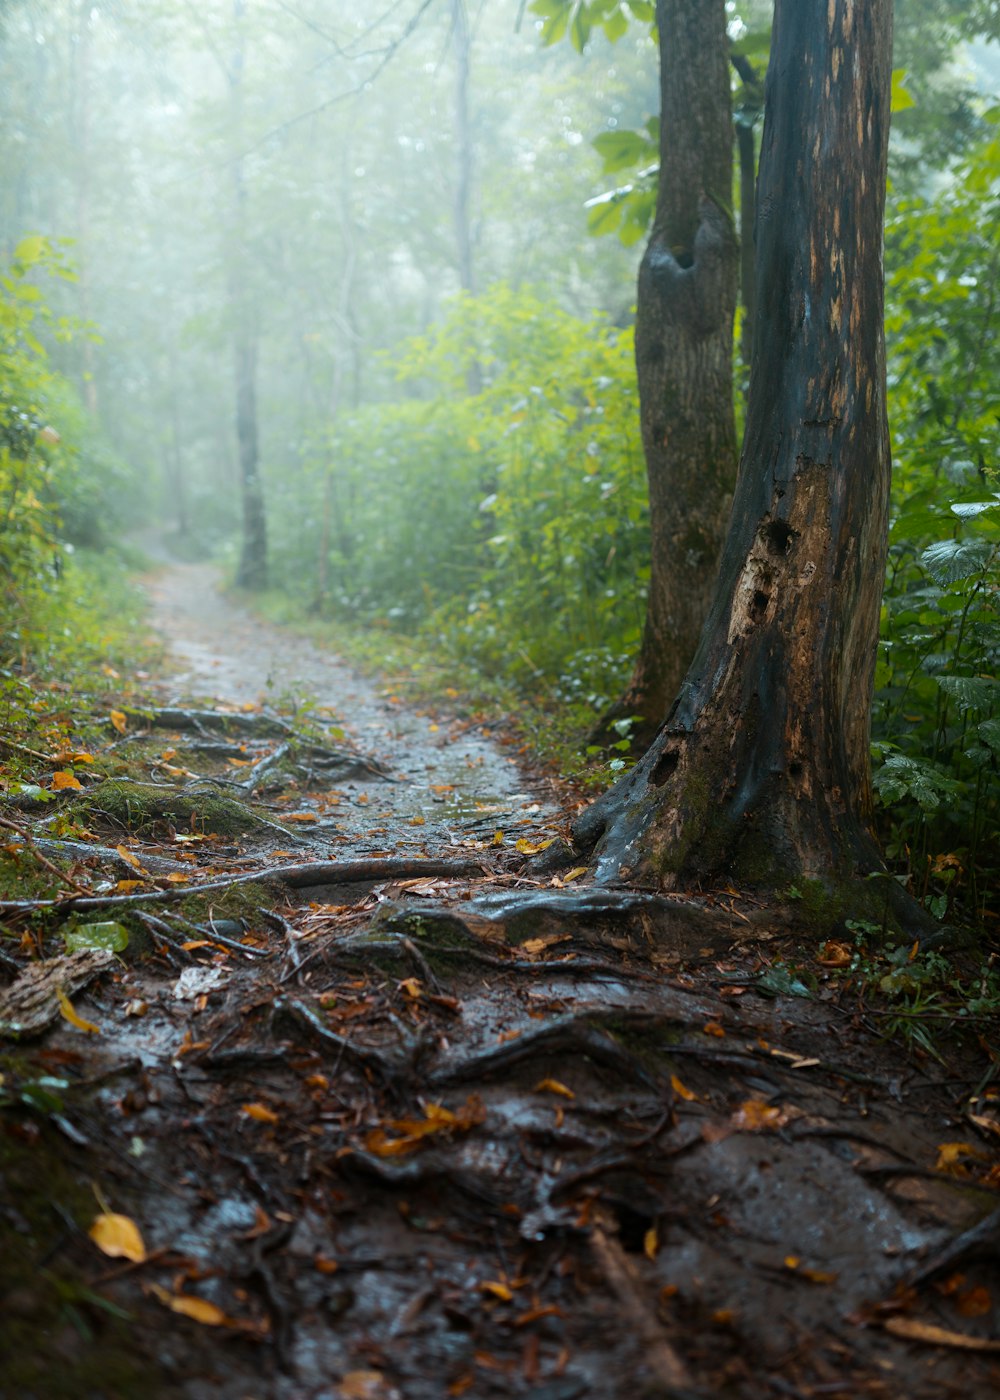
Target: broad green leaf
{"points": [[109, 935], [948, 561], [620, 149], [971, 692]]}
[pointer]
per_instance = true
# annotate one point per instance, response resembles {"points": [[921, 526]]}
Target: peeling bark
{"points": [[762, 769]]}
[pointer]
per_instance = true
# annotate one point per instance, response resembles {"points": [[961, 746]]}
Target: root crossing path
{"points": [[367, 1111]]}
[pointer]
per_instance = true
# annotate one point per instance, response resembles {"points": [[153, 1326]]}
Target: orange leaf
{"points": [[682, 1091], [129, 858], [553, 1086], [300, 817], [64, 779], [412, 987], [713, 1028], [499, 1290], [755, 1116], [119, 721], [261, 1113], [200, 1309]]}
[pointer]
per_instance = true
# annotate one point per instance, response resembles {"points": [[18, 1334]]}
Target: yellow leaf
{"points": [[411, 986], [651, 1243], [498, 838], [574, 874], [127, 886], [499, 1290], [417, 821], [119, 721], [951, 1157], [682, 1091], [128, 857], [64, 779], [68, 1014], [238, 762], [261, 1113], [118, 1237], [553, 1086], [177, 878], [528, 848], [200, 1309]]}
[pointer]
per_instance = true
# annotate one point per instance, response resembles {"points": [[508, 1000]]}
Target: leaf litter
{"points": [[421, 1125]]}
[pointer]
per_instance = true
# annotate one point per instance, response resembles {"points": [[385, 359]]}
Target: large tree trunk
{"points": [[684, 350], [761, 772]]}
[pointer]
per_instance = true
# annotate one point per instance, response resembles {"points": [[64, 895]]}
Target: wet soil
{"points": [[472, 1132]]}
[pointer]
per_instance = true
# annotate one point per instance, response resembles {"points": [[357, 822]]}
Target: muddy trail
{"points": [[369, 1107]]}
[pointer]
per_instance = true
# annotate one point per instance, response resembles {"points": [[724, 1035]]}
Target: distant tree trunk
{"points": [[746, 148], [252, 569], [684, 352], [761, 772], [80, 111]]}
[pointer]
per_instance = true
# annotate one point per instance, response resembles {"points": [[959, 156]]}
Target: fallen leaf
{"points": [[68, 1014], [63, 780], [412, 987], [651, 1243], [300, 817], [755, 1116], [411, 1132], [118, 1237], [915, 1331], [835, 955], [682, 1091], [713, 1028], [553, 1086], [324, 1265], [119, 721], [498, 1290], [200, 1309], [261, 1113], [951, 1155], [574, 874], [129, 857], [529, 848]]}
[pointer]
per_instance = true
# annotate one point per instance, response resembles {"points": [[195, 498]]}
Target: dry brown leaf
{"points": [[915, 1331]]}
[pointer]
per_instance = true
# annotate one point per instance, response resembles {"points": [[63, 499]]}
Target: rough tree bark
{"points": [[761, 772], [683, 351]]}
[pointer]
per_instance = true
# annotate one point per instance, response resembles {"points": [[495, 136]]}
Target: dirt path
{"points": [[484, 1133]]}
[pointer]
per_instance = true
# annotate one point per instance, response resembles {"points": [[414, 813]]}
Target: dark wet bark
{"points": [[746, 150], [683, 350], [762, 769]]}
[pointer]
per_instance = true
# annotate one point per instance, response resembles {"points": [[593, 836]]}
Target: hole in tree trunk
{"points": [[758, 607], [664, 769], [778, 536]]}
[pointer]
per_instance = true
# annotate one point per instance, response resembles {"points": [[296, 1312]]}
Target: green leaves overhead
{"points": [[577, 19]]}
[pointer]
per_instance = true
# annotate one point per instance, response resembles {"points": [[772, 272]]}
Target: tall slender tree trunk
{"points": [[684, 351], [761, 772], [252, 569], [82, 168]]}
